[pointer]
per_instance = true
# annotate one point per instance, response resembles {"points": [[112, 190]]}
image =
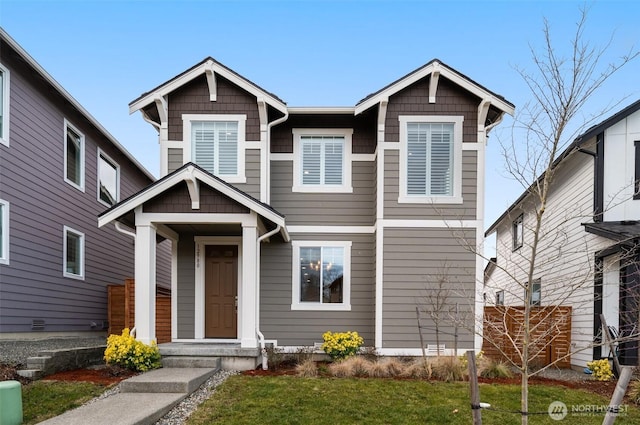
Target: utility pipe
{"points": [[265, 364]]}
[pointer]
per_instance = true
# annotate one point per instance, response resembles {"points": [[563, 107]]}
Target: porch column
{"points": [[247, 297], [145, 275]]}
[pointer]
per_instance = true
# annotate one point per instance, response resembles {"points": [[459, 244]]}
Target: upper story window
{"points": [[517, 232], [500, 298], [216, 143], [536, 292], [430, 159], [322, 160], [73, 156], [4, 105], [73, 253], [108, 180], [321, 275], [4, 232]]}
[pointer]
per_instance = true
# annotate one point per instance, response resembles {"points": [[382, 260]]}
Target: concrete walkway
{"points": [[142, 400]]}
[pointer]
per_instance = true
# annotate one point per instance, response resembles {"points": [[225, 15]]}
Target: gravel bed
{"points": [[180, 413], [17, 351]]}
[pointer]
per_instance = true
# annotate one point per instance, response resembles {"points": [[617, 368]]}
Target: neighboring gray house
{"points": [[588, 255], [59, 168], [287, 222]]}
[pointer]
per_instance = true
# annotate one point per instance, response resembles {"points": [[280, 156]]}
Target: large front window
{"points": [[215, 146], [321, 275]]}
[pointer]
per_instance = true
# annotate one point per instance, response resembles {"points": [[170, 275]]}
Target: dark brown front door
{"points": [[221, 290]]}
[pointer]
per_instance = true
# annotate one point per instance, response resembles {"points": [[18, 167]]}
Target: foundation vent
{"points": [[37, 325]]}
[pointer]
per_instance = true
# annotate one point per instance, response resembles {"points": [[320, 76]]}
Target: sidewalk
{"points": [[143, 399]]}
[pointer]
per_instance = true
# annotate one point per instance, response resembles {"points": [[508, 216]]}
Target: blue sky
{"points": [[107, 53]]}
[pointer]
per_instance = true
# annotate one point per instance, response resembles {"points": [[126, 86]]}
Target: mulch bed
{"points": [[108, 375]]}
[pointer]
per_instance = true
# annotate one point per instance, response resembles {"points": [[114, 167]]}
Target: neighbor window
{"points": [[517, 233], [4, 105], [108, 180], [4, 232], [322, 160], [217, 144], [73, 255], [500, 298], [321, 275], [536, 293], [73, 156], [431, 159], [636, 186]]}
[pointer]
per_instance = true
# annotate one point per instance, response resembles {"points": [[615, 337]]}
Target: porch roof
{"points": [[619, 231], [193, 175]]}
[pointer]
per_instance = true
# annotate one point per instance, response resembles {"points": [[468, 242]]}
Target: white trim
{"points": [[296, 304], [349, 110], [379, 284], [253, 145], [480, 277], [107, 158], [437, 224], [282, 157], [467, 146], [6, 111], [4, 241], [389, 146], [416, 352], [456, 197], [187, 151], [363, 157], [68, 125], [191, 218], [208, 341], [65, 230], [199, 295], [346, 186], [174, 290], [332, 229]]}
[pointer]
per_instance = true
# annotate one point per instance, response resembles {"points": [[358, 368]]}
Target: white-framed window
{"points": [[4, 232], [517, 232], [536, 292], [108, 180], [217, 144], [73, 253], [500, 297], [73, 156], [322, 160], [4, 105], [321, 275], [430, 159]]}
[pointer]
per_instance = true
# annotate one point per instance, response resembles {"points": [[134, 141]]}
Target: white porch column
{"points": [[247, 296], [145, 276]]}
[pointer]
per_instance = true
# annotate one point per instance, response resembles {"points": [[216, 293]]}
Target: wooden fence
{"points": [[550, 335], [121, 309]]}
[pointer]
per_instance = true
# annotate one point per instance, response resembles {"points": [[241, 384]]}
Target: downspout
{"points": [[263, 350], [124, 231], [269, 126]]}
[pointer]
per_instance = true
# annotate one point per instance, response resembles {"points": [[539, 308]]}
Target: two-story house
{"points": [[59, 168], [588, 255], [287, 222]]}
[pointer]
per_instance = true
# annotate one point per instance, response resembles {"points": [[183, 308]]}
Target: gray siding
{"points": [[252, 172], [32, 181], [186, 286], [464, 211], [413, 261], [174, 156], [344, 209], [300, 328]]}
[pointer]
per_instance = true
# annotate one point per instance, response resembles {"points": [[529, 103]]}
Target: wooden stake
{"points": [[476, 414]]}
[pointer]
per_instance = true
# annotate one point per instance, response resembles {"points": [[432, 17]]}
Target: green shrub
{"points": [[634, 391], [124, 350], [448, 369], [307, 369], [601, 369], [341, 345]]}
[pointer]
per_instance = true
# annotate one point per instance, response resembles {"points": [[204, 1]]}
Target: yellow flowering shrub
{"points": [[601, 369], [126, 351], [341, 345]]}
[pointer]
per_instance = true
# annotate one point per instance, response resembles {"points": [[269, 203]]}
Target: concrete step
{"points": [[168, 380], [31, 373], [191, 362], [37, 362]]}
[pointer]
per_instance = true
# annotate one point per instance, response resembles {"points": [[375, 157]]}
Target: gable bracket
{"points": [[483, 111], [262, 112], [382, 116], [194, 188], [433, 82], [211, 81]]}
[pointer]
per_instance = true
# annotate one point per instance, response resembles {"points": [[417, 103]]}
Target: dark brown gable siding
{"points": [[177, 200], [450, 100], [193, 98]]}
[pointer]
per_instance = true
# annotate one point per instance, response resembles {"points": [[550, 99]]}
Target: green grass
{"points": [[292, 400], [44, 400]]}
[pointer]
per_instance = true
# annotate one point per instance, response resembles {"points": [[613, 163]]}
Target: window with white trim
{"points": [[4, 105], [536, 292], [517, 232], [321, 275], [73, 253], [431, 159], [217, 144], [4, 232], [322, 160], [108, 180], [500, 297], [73, 156]]}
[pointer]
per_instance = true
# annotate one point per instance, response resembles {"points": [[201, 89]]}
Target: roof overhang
{"points": [[193, 175], [619, 231], [208, 67]]}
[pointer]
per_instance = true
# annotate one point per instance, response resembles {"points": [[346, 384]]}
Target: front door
{"points": [[221, 290]]}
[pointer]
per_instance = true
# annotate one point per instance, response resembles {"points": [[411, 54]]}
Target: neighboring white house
{"points": [[588, 251]]}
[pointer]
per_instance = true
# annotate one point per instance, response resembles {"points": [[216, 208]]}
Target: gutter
{"points": [[263, 350], [282, 119]]}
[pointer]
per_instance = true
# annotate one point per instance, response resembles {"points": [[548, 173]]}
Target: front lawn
{"points": [[45, 399], [291, 400]]}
